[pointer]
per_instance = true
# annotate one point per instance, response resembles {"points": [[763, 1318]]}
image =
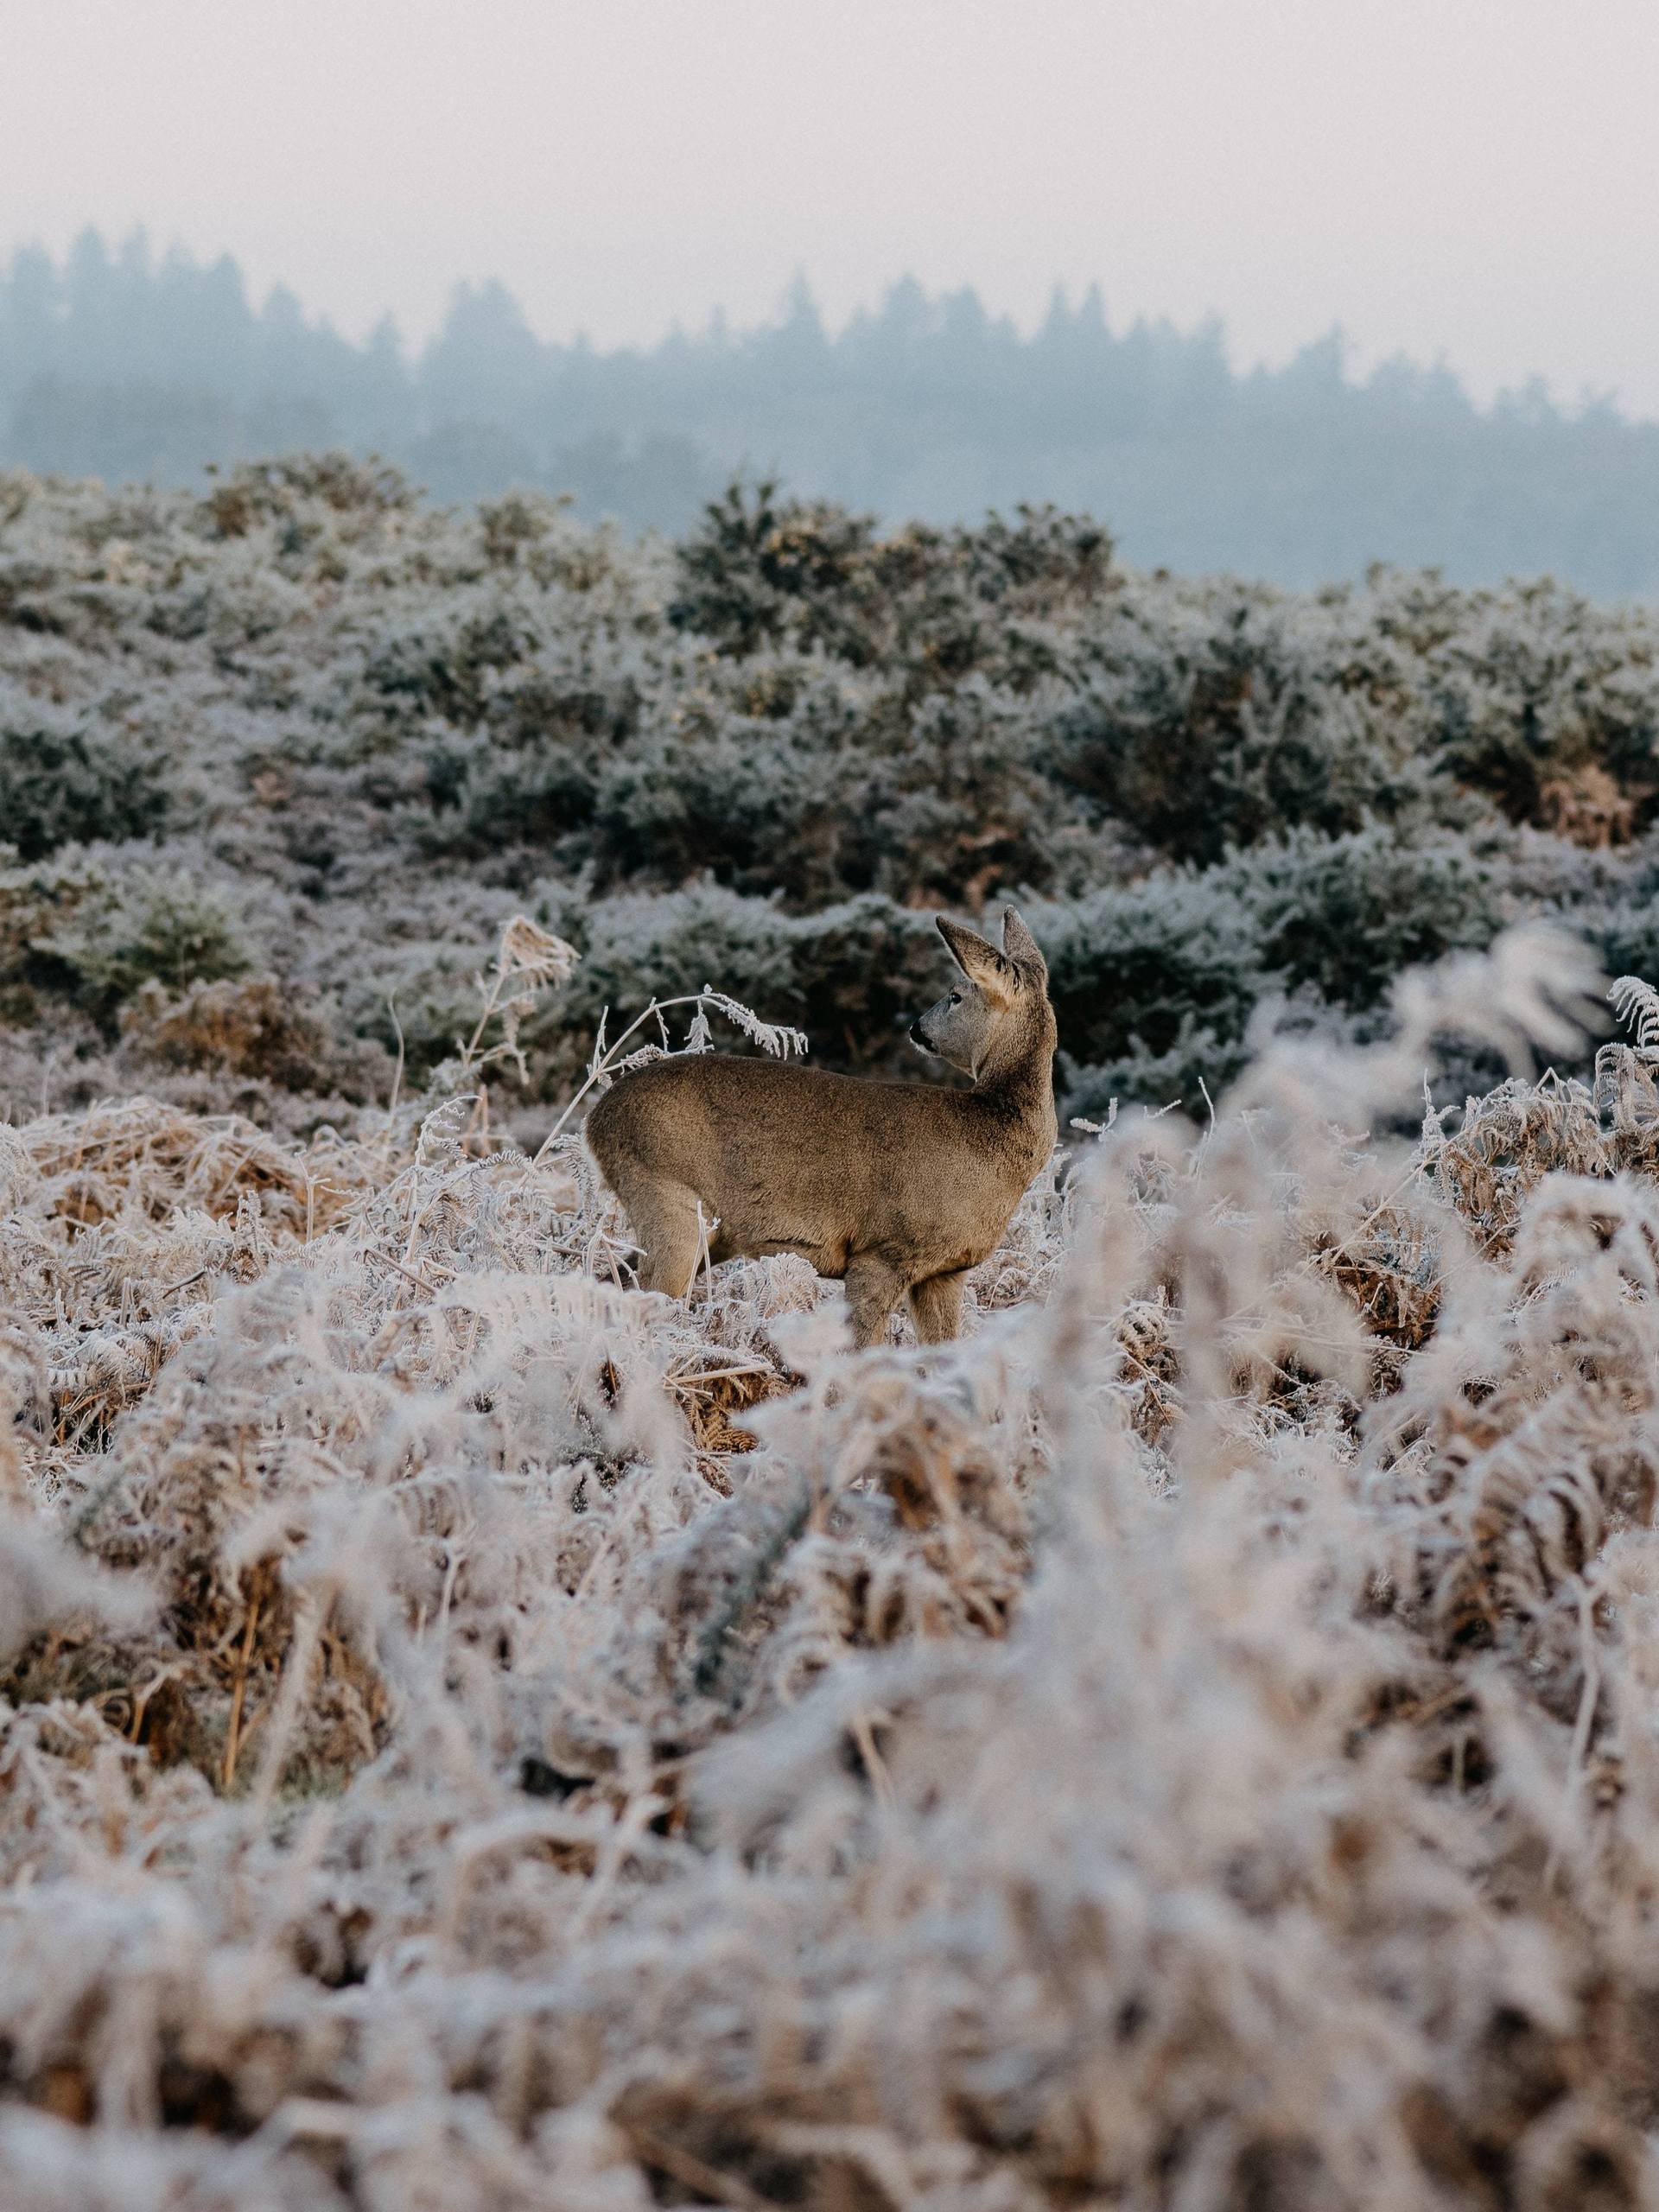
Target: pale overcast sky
{"points": [[1473, 178]]}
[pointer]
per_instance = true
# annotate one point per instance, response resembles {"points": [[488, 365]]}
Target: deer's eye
{"points": [[956, 998]]}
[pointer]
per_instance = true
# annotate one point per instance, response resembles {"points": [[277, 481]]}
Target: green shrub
{"points": [[77, 784], [446, 667], [1204, 736], [34, 900], [851, 976], [1136, 973], [1538, 692], [762, 759], [1348, 914], [135, 926], [1197, 1058], [763, 570], [767, 570]]}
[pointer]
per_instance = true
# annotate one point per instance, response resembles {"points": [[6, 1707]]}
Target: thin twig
{"points": [[233, 1737]]}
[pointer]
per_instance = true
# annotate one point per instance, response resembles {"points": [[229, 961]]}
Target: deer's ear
{"points": [[1019, 944], [979, 961]]}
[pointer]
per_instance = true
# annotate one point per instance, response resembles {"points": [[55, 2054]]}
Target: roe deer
{"points": [[896, 1188]]}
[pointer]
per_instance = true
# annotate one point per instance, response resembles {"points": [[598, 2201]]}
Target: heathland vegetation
{"points": [[276, 764], [475, 1735]]}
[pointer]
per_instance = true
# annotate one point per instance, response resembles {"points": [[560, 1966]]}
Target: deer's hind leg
{"points": [[875, 1287], [665, 1220], [936, 1308]]}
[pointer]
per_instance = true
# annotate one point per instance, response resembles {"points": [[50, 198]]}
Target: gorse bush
{"points": [[341, 737], [97, 933], [1208, 733], [62, 786], [768, 570], [1348, 914]]}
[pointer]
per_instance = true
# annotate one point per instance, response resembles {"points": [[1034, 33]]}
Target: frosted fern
{"points": [[1637, 1005]]}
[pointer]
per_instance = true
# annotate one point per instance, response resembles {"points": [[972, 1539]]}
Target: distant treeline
{"points": [[120, 365]]}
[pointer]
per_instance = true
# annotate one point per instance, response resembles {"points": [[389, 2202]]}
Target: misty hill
{"points": [[120, 365]]}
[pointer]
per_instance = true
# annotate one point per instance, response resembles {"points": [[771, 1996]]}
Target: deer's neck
{"points": [[1019, 1100]]}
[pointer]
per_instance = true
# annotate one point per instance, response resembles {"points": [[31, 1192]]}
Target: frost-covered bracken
{"points": [[477, 1735]]}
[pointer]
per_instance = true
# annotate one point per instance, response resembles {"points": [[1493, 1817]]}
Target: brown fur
{"points": [[896, 1188]]}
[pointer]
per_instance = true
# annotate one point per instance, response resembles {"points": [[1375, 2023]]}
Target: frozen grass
{"points": [[477, 1736]]}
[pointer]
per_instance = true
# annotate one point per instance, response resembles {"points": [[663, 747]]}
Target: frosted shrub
{"points": [[371, 732], [142, 927], [63, 781]]}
